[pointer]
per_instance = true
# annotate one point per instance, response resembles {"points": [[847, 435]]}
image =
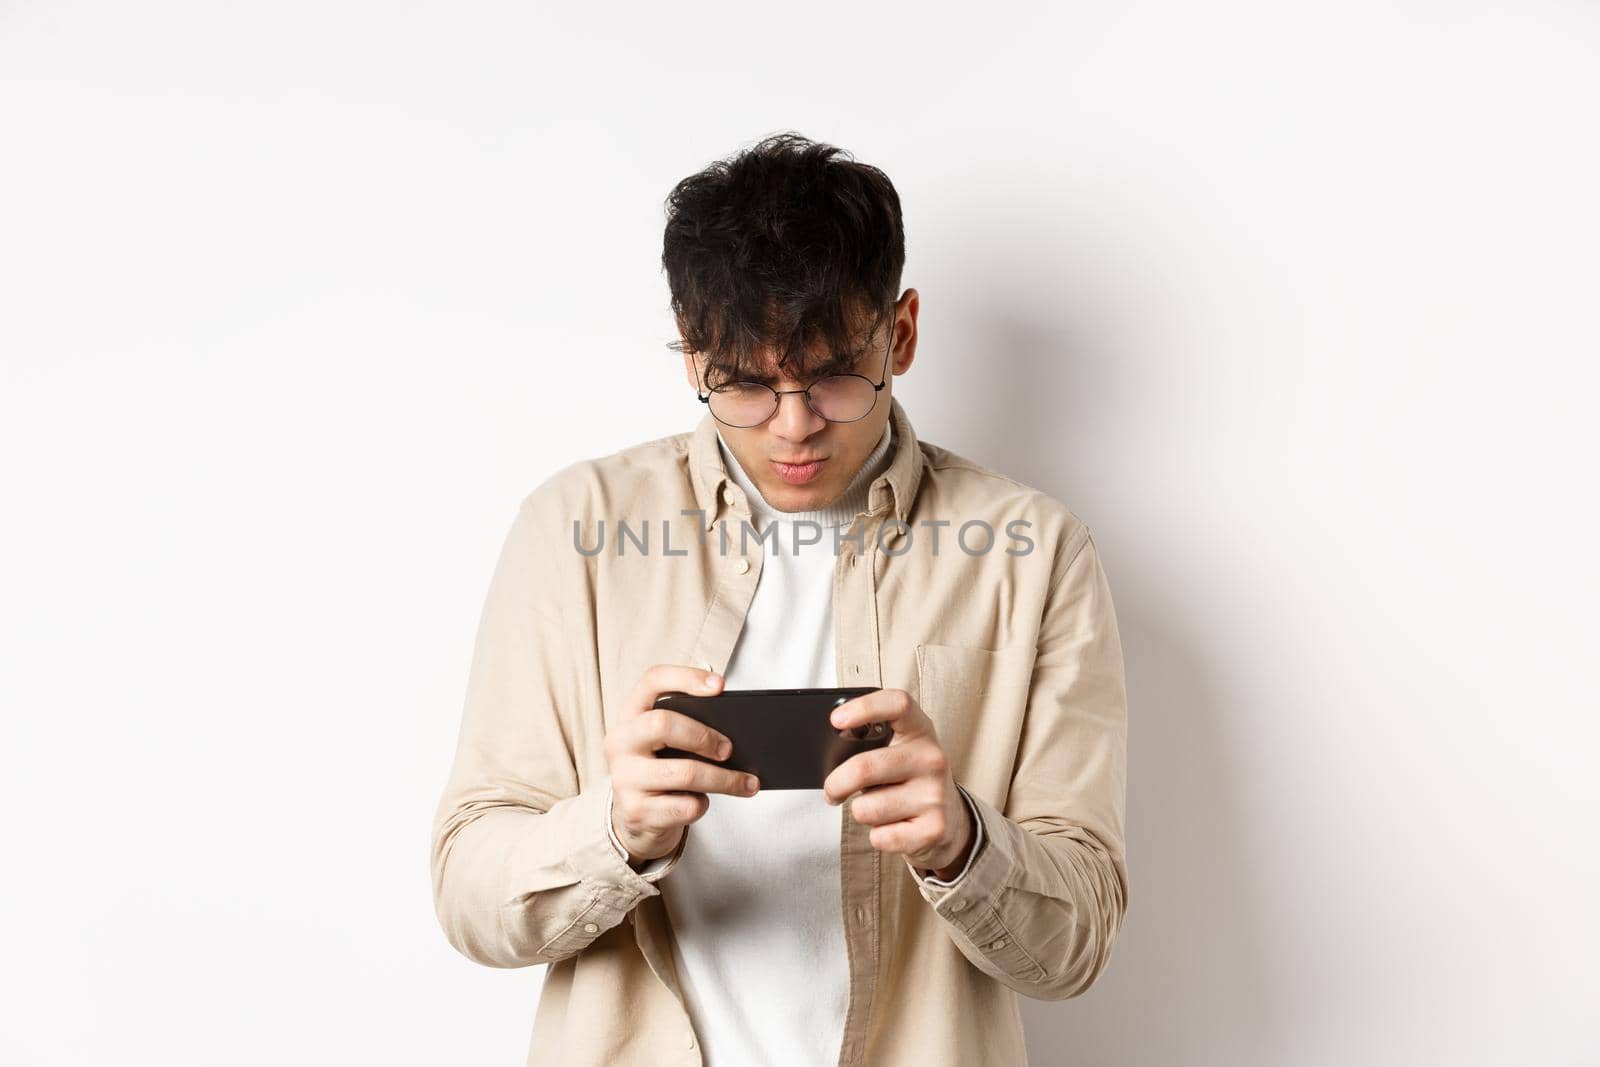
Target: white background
{"points": [[1294, 304]]}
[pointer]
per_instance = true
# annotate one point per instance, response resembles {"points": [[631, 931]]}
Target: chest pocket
{"points": [[977, 698]]}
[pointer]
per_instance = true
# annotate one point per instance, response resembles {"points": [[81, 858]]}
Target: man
{"points": [[802, 535]]}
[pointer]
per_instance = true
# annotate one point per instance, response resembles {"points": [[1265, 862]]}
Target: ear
{"points": [[905, 352]]}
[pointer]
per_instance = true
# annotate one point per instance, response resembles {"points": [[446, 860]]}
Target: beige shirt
{"points": [[1012, 651]]}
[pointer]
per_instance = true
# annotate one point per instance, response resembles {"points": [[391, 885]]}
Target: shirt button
{"points": [[855, 668], [998, 945], [959, 905], [743, 565], [691, 1041], [590, 928], [861, 914]]}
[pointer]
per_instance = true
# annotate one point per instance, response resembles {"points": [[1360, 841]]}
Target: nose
{"points": [[794, 420]]}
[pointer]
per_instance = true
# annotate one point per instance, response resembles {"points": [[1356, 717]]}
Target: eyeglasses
{"points": [[837, 397]]}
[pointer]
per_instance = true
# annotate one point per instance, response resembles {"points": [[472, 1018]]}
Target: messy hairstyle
{"points": [[791, 247]]}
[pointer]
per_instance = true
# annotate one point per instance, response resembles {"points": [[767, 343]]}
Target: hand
{"points": [[654, 799], [908, 795]]}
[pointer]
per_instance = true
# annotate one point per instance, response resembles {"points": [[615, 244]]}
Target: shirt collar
{"points": [[716, 492]]}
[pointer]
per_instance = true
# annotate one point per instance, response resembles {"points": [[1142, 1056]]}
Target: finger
{"points": [[669, 678], [653, 813], [665, 811], [893, 706], [882, 766], [891, 803], [907, 837], [661, 728], [672, 775]]}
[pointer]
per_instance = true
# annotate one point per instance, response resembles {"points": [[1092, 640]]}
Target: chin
{"points": [[801, 497]]}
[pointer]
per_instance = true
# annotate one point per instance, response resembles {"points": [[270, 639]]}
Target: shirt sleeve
{"points": [[1039, 908], [524, 867]]}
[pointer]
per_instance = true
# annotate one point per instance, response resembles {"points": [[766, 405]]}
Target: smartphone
{"points": [[782, 736]]}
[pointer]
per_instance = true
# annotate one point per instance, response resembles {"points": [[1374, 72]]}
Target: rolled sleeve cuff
{"points": [[973, 908], [574, 843]]}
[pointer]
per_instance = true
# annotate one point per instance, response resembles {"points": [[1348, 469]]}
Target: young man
{"points": [[802, 535]]}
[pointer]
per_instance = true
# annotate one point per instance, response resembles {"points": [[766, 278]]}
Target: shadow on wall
{"points": [[1190, 981]]}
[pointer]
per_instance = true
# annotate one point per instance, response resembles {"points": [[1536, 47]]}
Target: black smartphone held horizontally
{"points": [[782, 736]]}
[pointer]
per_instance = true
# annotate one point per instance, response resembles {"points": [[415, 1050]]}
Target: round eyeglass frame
{"points": [[779, 394]]}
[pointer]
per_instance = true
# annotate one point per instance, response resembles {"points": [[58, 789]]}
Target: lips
{"points": [[798, 473]]}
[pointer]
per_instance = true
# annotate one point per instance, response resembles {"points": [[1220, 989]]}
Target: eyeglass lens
{"points": [[838, 398]]}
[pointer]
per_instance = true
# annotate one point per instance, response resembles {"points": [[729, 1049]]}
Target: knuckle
{"points": [[657, 723], [623, 783], [656, 817]]}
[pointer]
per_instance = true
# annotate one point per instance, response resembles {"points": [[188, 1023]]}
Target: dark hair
{"points": [[787, 246]]}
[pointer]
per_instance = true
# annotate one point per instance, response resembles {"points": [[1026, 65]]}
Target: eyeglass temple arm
{"points": [[706, 397]]}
